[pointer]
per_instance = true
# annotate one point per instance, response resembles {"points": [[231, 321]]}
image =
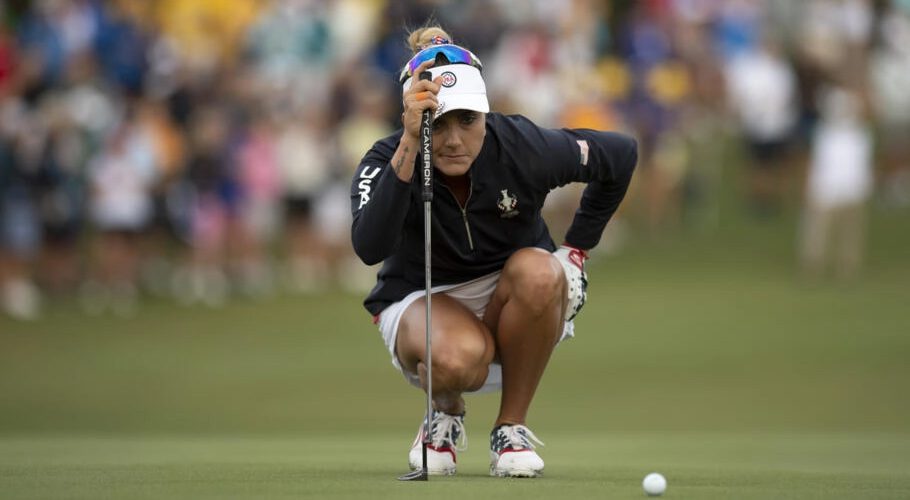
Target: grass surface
{"points": [[605, 465], [702, 358]]}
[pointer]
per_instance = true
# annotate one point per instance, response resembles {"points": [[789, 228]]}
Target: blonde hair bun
{"points": [[422, 38]]}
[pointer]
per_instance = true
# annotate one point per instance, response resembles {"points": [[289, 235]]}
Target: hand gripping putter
{"points": [[426, 164]]}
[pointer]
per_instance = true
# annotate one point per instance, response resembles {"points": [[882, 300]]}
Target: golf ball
{"points": [[654, 484]]}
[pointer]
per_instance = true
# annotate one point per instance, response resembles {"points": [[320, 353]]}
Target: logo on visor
{"points": [[448, 79]]}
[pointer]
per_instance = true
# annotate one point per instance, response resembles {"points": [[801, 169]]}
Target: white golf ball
{"points": [[654, 484]]}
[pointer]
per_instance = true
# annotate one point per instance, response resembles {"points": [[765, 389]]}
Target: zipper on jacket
{"points": [[464, 211], [467, 228]]}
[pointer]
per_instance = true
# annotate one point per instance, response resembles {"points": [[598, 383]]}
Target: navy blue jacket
{"points": [[518, 165]]}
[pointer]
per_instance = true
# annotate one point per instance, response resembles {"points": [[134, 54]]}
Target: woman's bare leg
{"points": [[526, 316], [463, 349]]}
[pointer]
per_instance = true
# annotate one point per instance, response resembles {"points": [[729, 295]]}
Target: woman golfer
{"points": [[503, 295]]}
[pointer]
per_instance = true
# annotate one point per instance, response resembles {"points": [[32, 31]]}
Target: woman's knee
{"points": [[535, 278], [463, 347], [459, 359]]}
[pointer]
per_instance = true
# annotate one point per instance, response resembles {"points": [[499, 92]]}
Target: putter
{"points": [[426, 154]]}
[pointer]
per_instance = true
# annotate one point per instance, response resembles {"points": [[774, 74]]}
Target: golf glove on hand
{"points": [[573, 263]]}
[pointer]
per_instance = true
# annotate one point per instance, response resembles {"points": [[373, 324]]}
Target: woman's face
{"points": [[457, 139]]}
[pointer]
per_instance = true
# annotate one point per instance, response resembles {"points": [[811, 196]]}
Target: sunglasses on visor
{"points": [[441, 54]]}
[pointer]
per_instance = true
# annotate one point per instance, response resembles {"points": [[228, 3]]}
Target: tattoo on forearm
{"points": [[401, 161]]}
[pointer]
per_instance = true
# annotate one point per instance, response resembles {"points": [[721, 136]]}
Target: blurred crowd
{"points": [[202, 149]]}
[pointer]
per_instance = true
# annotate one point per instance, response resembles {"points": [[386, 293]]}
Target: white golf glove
{"points": [[573, 263]]}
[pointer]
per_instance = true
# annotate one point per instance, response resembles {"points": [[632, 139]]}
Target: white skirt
{"points": [[475, 295]]}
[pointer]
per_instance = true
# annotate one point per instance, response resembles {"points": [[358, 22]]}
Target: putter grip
{"points": [[426, 148]]}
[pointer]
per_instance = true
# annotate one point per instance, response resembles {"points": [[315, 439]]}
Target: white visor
{"points": [[462, 88]]}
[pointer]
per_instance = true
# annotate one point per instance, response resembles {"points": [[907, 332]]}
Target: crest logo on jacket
{"points": [[507, 204]]}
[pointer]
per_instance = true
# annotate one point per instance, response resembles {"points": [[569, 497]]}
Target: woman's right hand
{"points": [[421, 96]]}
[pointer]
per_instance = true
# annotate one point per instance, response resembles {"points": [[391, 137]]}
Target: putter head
{"points": [[415, 475], [421, 473]]}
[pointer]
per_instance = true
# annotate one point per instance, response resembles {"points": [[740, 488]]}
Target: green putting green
{"points": [[702, 358], [362, 464]]}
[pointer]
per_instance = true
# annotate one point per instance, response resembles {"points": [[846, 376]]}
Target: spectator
{"points": [[212, 202], [21, 140], [260, 185], [761, 87], [839, 184], [60, 191], [304, 156], [890, 79], [120, 177]]}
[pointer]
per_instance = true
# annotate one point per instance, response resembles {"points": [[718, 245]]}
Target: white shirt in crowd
{"points": [[840, 172], [121, 181], [762, 93]]}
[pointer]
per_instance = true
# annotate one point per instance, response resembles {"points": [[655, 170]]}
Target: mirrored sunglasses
{"points": [[444, 54]]}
